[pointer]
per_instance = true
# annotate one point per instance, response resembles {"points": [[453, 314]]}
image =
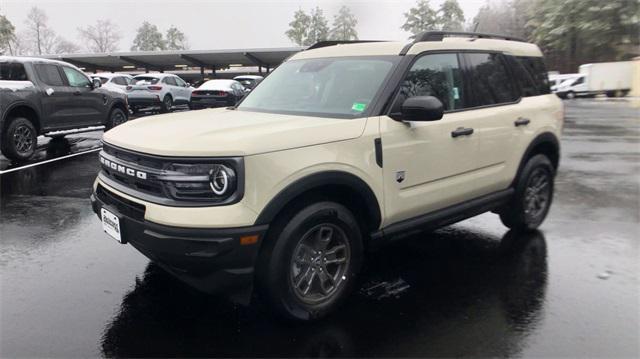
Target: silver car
{"points": [[113, 80], [158, 90]]}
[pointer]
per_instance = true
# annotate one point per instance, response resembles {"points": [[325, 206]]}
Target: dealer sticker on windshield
{"points": [[358, 106]]}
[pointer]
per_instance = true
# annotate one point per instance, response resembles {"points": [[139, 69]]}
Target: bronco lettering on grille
{"points": [[123, 169]]}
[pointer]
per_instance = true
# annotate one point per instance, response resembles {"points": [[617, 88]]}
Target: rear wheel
{"points": [[311, 261], [167, 103], [533, 195], [20, 139]]}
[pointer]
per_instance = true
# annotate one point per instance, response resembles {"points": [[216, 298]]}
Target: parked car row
{"points": [[165, 92]]}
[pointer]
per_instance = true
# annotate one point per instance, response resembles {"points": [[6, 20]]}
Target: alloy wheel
{"points": [[23, 139], [319, 264], [537, 194], [117, 118]]}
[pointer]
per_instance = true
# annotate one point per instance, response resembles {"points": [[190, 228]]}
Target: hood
{"points": [[222, 132]]}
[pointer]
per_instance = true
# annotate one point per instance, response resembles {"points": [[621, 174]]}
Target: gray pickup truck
{"points": [[39, 96]]}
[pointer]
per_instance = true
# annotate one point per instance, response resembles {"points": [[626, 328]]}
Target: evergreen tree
{"points": [[344, 25]]}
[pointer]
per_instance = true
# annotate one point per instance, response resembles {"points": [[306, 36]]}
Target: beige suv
{"points": [[342, 147]]}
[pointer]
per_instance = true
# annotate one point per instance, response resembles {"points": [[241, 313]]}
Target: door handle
{"points": [[521, 121], [462, 131]]}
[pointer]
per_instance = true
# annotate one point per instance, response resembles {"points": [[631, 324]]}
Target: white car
{"points": [[249, 81], [217, 93], [113, 80], [158, 90]]}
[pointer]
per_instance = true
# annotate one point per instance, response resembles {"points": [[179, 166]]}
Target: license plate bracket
{"points": [[112, 225]]}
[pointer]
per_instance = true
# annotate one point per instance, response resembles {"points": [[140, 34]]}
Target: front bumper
{"points": [[210, 259]]}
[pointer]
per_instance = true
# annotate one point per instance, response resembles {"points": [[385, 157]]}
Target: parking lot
{"points": [[471, 289]]}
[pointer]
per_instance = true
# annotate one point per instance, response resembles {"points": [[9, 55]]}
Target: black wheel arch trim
{"points": [[5, 114], [545, 137], [317, 180]]}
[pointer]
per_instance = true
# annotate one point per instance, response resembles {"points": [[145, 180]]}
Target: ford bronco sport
{"points": [[342, 147], [39, 96]]}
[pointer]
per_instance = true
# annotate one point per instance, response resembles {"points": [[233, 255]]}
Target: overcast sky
{"points": [[213, 24]]}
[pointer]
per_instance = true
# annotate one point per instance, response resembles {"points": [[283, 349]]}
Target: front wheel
{"points": [[533, 195], [116, 117], [570, 95], [311, 261], [20, 139]]}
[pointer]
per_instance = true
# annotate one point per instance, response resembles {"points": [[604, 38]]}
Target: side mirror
{"points": [[422, 108], [96, 83]]}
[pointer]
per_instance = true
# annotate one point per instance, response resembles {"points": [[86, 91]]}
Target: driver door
{"points": [[430, 165], [89, 105]]}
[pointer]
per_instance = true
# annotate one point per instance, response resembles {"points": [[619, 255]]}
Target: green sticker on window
{"points": [[456, 95], [357, 106]]}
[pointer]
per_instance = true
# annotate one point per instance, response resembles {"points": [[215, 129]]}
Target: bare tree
{"points": [[63, 46], [37, 31], [101, 37]]}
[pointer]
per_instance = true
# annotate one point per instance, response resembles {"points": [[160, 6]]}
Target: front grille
{"points": [[133, 157], [139, 161], [181, 181], [124, 206]]}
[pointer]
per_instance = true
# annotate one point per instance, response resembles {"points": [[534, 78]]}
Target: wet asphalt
{"points": [[471, 289]]}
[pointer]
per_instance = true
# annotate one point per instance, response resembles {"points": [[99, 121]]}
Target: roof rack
{"points": [[326, 43], [440, 35]]}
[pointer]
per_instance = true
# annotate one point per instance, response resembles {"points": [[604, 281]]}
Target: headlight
{"points": [[201, 182], [221, 180]]}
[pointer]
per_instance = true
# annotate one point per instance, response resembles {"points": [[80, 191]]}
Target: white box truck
{"points": [[610, 78]]}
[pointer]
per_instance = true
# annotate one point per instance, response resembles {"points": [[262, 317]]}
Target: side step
{"points": [[442, 217]]}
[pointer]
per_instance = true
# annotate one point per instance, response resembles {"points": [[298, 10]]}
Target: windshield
{"points": [[331, 87]]}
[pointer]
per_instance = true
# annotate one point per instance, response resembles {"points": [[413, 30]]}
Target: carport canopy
{"points": [[179, 59]]}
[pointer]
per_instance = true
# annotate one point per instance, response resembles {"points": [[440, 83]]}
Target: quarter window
{"points": [[12, 71], [490, 79], [435, 75], [76, 78], [538, 71], [49, 74]]}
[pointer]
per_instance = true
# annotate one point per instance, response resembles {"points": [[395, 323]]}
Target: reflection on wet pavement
{"points": [[489, 290], [472, 289], [52, 148]]}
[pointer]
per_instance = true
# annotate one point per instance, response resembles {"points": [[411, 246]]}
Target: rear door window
{"points": [[437, 75], [49, 74], [12, 71], [490, 79], [170, 81]]}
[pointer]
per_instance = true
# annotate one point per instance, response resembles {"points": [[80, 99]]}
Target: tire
{"points": [[624, 93], [533, 195], [19, 140], [294, 257], [611, 94], [167, 103], [570, 95], [116, 117]]}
